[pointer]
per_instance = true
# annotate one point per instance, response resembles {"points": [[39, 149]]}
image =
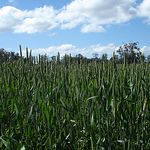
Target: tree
{"points": [[116, 58], [131, 51], [78, 57], [13, 56], [95, 56], [4, 56], [52, 58]]}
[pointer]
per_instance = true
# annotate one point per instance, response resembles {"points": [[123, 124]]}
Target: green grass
{"points": [[74, 106]]}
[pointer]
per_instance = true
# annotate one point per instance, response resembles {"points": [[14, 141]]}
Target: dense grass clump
{"points": [[71, 106]]}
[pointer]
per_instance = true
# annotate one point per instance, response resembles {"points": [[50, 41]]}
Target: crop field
{"points": [[69, 106]]}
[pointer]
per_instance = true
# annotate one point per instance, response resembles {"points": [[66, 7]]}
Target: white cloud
{"points": [[92, 14], [51, 34], [145, 50], [10, 17], [144, 10], [92, 28], [71, 49], [96, 12], [53, 50], [86, 51], [40, 19], [37, 20]]}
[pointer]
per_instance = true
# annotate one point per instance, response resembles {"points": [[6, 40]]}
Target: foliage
{"points": [[5, 56], [131, 51], [53, 105]]}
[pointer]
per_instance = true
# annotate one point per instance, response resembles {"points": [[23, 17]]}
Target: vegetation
{"points": [[131, 51], [75, 106], [6, 56]]}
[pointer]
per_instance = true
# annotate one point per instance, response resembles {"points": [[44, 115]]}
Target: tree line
{"points": [[129, 50], [8, 56]]}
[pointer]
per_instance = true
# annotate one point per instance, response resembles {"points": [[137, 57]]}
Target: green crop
{"points": [[71, 106]]}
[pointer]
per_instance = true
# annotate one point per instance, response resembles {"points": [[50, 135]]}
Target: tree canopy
{"points": [[5, 56], [131, 51]]}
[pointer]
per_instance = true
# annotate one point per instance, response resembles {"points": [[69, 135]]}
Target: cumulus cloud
{"points": [[145, 50], [86, 51], [90, 14], [92, 28], [95, 13], [144, 10], [10, 17], [71, 49], [37, 20], [41, 19], [53, 50]]}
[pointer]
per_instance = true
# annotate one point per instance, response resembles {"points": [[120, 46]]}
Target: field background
{"points": [[54, 105]]}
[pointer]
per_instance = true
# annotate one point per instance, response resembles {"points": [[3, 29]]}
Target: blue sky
{"points": [[74, 26]]}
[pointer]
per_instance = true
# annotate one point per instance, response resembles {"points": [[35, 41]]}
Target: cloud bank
{"points": [[71, 49], [86, 51], [92, 15]]}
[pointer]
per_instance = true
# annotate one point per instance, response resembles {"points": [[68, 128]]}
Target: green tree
{"points": [[78, 58], [4, 56], [131, 51]]}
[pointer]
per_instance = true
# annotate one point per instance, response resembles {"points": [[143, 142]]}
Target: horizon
{"points": [[74, 26]]}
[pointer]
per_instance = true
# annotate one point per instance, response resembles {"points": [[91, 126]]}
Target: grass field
{"points": [[71, 106]]}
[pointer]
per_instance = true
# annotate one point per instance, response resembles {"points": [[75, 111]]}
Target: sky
{"points": [[74, 26]]}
